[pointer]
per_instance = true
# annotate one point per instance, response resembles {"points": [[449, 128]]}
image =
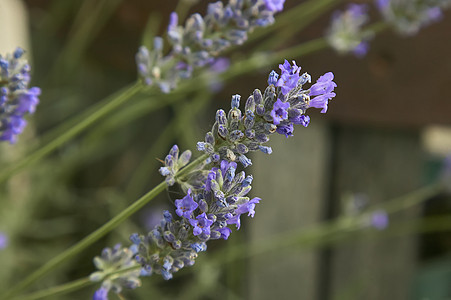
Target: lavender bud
{"points": [[273, 77], [250, 104], [223, 132], [236, 101], [247, 181], [261, 138], [203, 206], [266, 150], [236, 135], [209, 138], [169, 236], [245, 160], [221, 117], [249, 119], [241, 148], [260, 110]]}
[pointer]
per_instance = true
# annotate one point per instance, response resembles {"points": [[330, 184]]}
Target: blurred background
{"points": [[386, 135]]}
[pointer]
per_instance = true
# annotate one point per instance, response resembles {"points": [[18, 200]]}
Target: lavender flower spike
{"points": [[220, 198], [16, 98], [201, 40], [112, 260], [282, 105], [408, 16], [345, 33]]}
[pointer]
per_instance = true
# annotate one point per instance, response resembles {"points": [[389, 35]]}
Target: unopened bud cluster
{"points": [[199, 42]]}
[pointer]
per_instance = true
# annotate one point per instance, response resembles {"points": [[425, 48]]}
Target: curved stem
{"points": [[58, 290], [107, 106]]}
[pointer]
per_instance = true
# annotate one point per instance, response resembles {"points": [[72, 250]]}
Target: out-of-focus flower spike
{"points": [[16, 98]]}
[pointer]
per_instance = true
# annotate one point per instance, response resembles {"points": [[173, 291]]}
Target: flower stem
{"points": [[107, 105], [58, 290]]}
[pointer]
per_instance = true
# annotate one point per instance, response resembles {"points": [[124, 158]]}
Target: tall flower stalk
{"points": [[216, 191]]}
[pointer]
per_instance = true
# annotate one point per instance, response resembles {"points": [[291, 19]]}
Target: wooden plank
{"points": [[381, 164], [291, 184]]}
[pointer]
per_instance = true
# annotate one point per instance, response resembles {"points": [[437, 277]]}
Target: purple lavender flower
{"points": [[346, 34], [201, 224], [173, 21], [289, 78], [4, 241], [16, 99], [225, 232], [220, 65], [382, 4], [361, 49], [301, 120], [322, 89], [185, 206], [279, 112], [285, 129], [247, 207], [274, 5], [379, 220], [101, 294]]}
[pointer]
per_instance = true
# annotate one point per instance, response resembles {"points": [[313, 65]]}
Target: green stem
{"points": [[109, 104], [192, 166], [58, 290]]}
